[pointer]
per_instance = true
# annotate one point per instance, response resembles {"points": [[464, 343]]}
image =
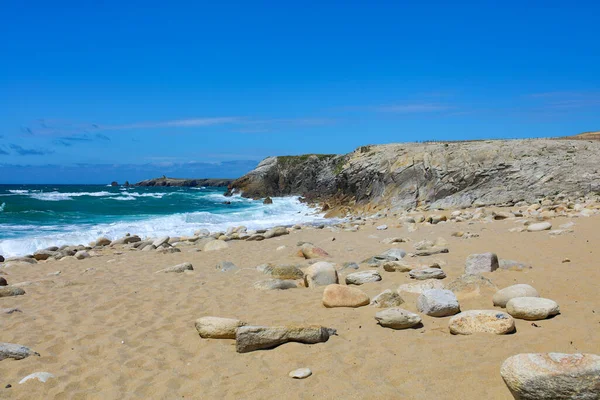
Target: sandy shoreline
{"points": [[110, 327]]}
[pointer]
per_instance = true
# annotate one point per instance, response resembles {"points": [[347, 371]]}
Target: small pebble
{"points": [[566, 260], [300, 373]]}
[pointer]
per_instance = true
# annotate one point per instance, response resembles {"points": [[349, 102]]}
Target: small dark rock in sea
{"points": [[114, 183], [226, 202], [268, 200]]}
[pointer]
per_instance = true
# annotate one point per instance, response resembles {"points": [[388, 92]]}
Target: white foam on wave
{"points": [[283, 211], [2, 206], [58, 196]]}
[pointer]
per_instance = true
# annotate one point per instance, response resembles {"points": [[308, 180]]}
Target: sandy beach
{"points": [[109, 326]]}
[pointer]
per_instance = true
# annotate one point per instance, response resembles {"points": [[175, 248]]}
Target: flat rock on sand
{"points": [[15, 351], [480, 263], [397, 318], [275, 284], [344, 296], [481, 321], [468, 286], [179, 268], [215, 245], [552, 376], [8, 291], [387, 299], [502, 296], [532, 308], [427, 273], [438, 303], [320, 274], [540, 226], [362, 277], [250, 338], [310, 251], [218, 328], [300, 373]]}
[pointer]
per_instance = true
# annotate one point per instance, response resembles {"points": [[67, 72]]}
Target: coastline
{"points": [[115, 323]]}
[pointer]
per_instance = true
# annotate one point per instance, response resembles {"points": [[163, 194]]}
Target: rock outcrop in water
{"points": [[185, 182], [444, 175]]}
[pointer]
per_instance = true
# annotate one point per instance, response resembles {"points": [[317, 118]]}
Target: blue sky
{"points": [[185, 86]]}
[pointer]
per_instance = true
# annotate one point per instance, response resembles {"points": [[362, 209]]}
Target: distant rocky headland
{"points": [[164, 181], [436, 174]]}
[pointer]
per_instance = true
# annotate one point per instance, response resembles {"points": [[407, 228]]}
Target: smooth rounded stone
{"points": [[480, 263], [538, 227], [481, 321], [362, 277], [427, 273], [436, 219], [310, 251], [218, 328], [344, 296], [215, 245], [8, 291], [397, 318], [40, 376], [103, 241], [393, 254], [552, 376], [438, 303], [502, 296], [382, 227], [320, 274], [284, 272], [160, 241], [179, 268], [275, 284], [511, 265], [420, 287], [395, 240], [201, 232], [424, 244], [81, 254], [226, 266], [28, 260], [387, 299], [250, 338], [467, 286], [275, 232], [149, 247], [300, 373], [397, 266], [42, 255], [532, 308], [1, 259], [15, 351], [3, 282]]}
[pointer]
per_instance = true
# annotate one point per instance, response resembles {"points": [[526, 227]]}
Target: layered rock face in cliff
{"points": [[444, 175]]}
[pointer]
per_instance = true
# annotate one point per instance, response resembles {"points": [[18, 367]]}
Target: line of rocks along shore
{"points": [[530, 217]]}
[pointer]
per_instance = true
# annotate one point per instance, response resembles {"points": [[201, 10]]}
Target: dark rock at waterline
{"points": [[1, 259], [3, 282], [178, 182], [114, 183], [268, 200]]}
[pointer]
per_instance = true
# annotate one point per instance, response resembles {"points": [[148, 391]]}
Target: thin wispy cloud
{"points": [[67, 132], [3, 152], [415, 108], [28, 152], [565, 101]]}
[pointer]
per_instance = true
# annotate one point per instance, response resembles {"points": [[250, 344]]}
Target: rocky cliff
{"points": [[164, 181], [444, 175]]}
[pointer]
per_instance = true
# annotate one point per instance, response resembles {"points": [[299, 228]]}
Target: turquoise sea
{"points": [[38, 216]]}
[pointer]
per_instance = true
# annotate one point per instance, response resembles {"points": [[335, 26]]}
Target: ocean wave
{"points": [[58, 196], [2, 207], [283, 211]]}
